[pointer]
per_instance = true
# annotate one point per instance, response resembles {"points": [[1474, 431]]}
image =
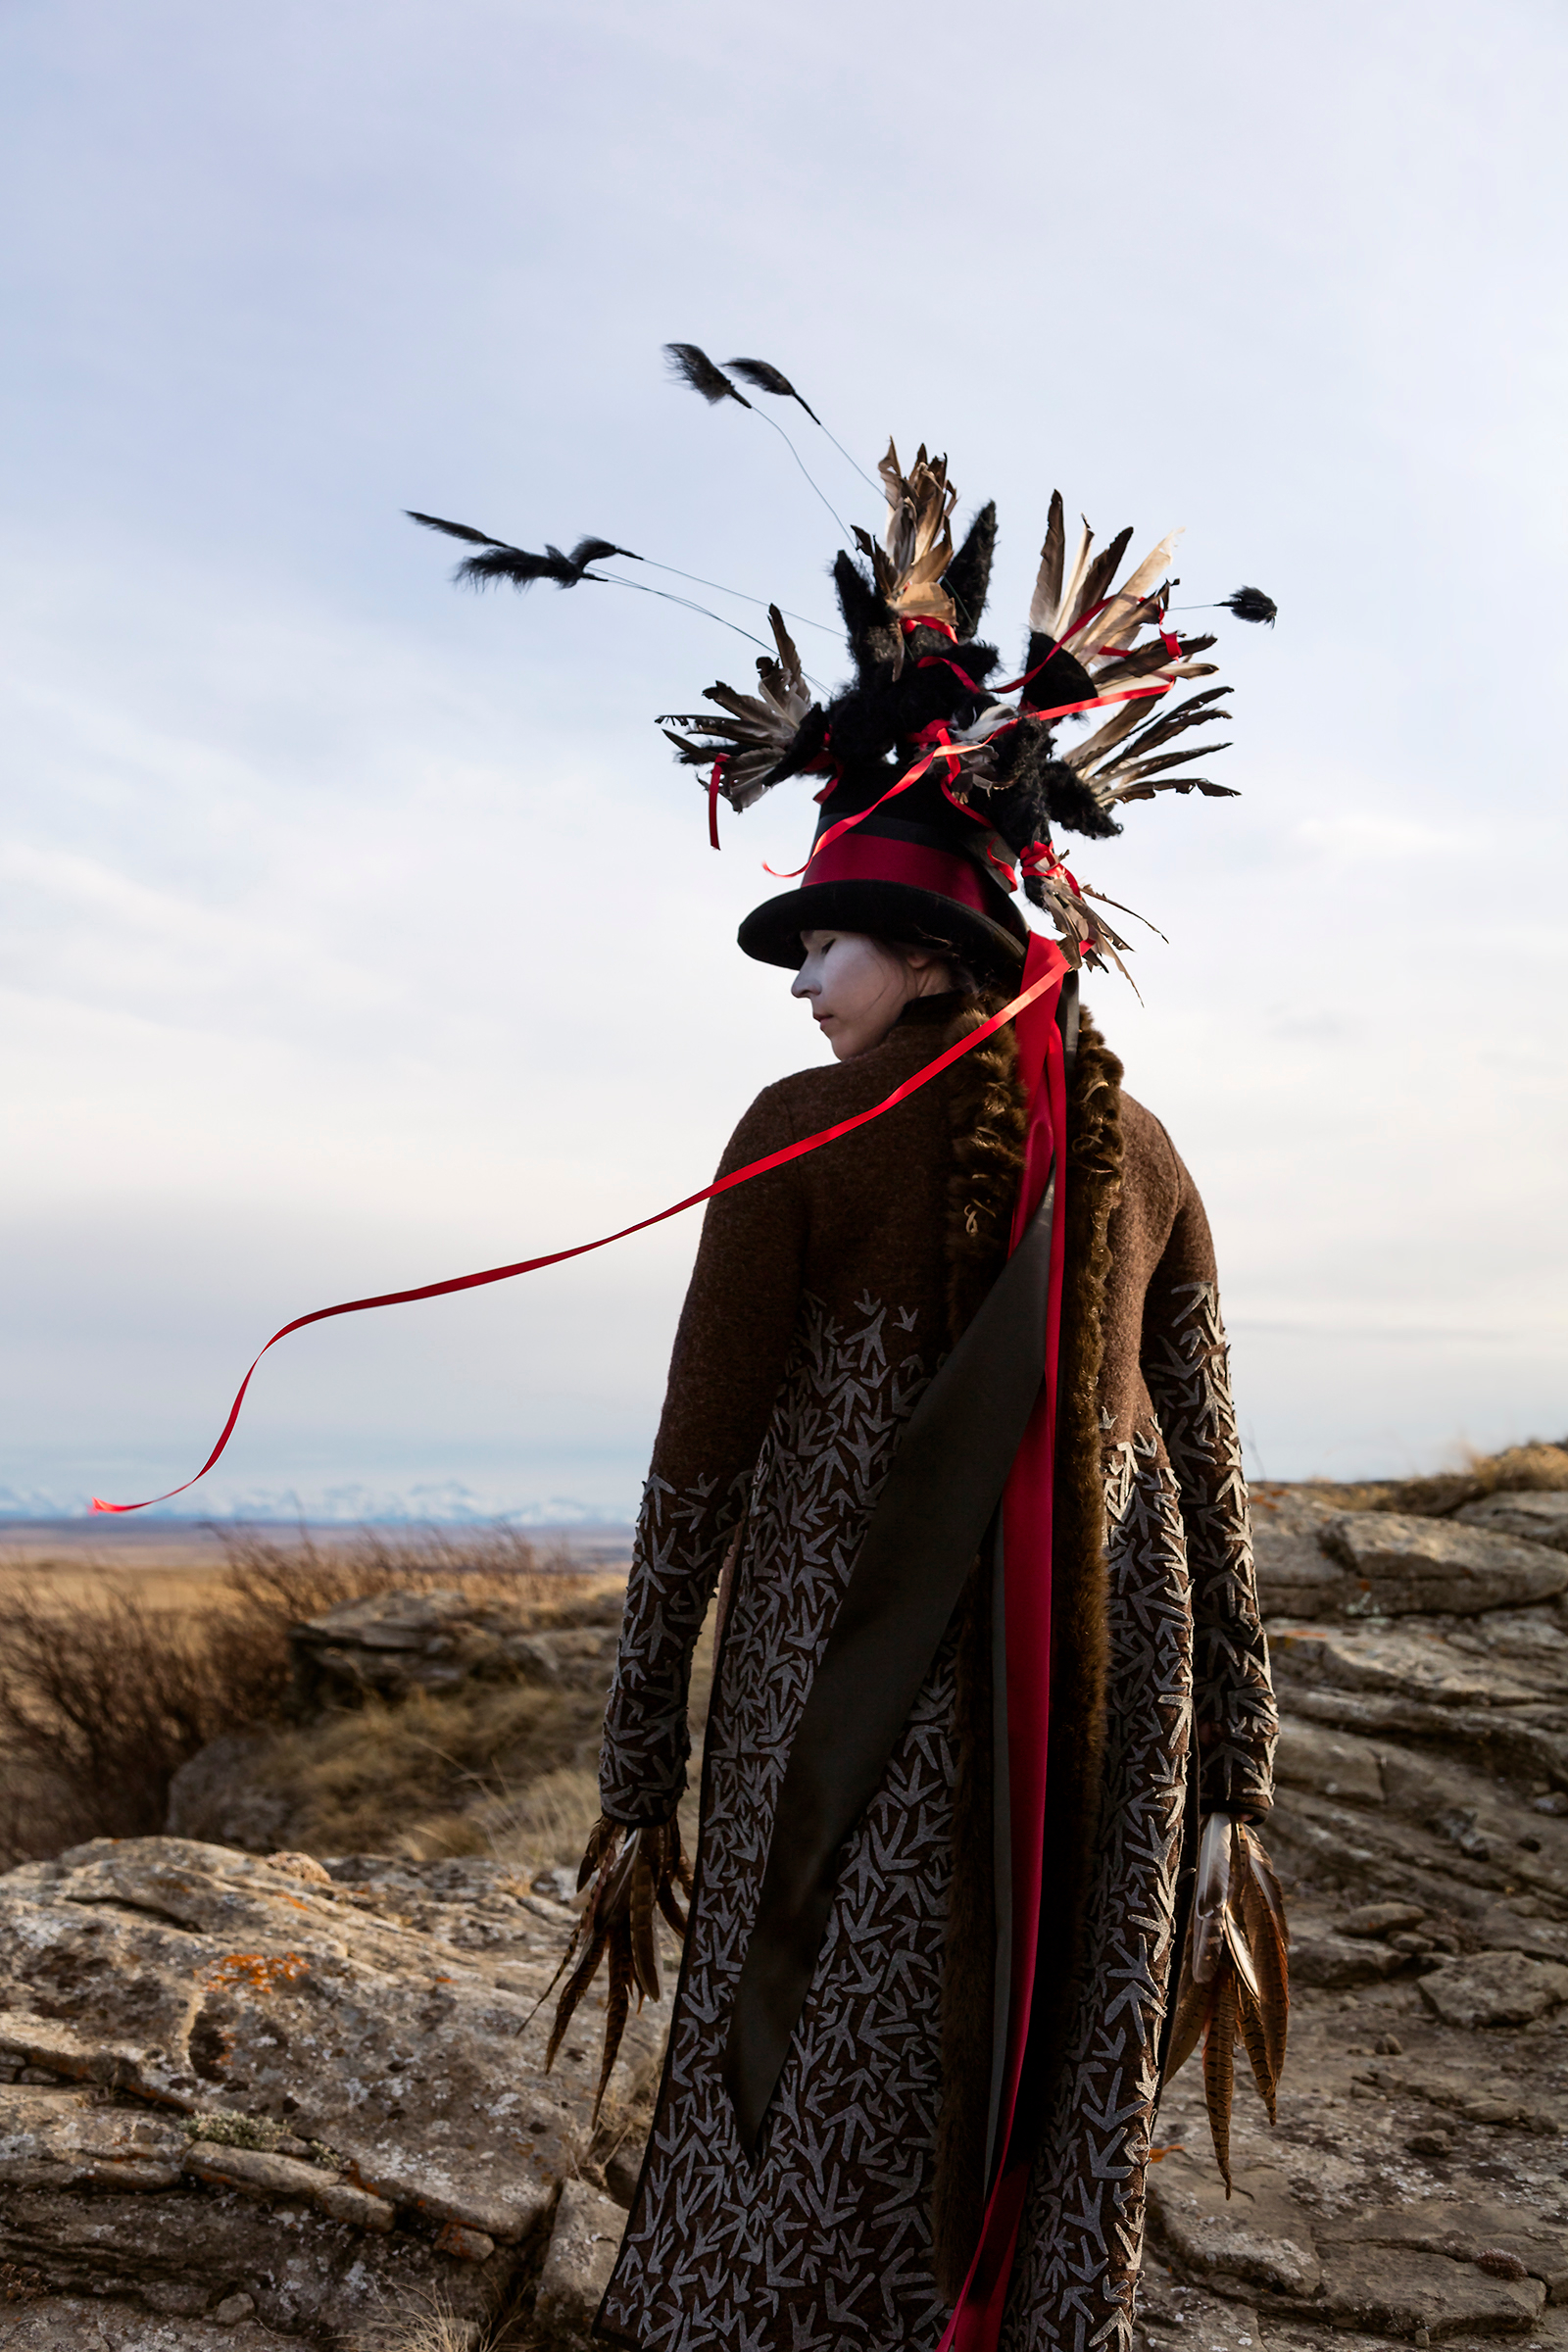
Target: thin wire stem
{"points": [[845, 455], [613, 579], [801, 463], [804, 619]]}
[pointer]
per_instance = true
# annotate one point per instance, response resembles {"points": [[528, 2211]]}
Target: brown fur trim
{"points": [[1080, 1636], [988, 1120], [986, 1117]]}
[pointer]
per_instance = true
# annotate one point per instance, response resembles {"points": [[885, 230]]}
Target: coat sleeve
{"points": [[1185, 1364], [731, 1349]]}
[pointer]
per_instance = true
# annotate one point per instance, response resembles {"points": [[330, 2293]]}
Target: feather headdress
{"points": [[920, 723], [1099, 646]]}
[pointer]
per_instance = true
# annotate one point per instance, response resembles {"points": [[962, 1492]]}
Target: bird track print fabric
{"points": [[823, 2241]]}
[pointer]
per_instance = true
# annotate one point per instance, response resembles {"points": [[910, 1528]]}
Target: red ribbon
{"points": [[1027, 1524], [713, 798], [556, 1258]]}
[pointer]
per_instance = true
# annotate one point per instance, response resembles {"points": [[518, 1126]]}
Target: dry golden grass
{"points": [[1534, 1467], [504, 1770], [102, 1698]]}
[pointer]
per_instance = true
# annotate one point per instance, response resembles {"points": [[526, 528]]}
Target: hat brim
{"points": [[891, 910]]}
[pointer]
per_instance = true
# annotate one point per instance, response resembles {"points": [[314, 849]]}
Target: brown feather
{"points": [[671, 1909], [1194, 2004], [1101, 572], [577, 1983], [1220, 2071], [1048, 582], [644, 1953], [617, 2005], [1249, 2020]]}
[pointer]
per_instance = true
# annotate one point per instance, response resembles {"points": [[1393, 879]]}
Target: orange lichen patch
{"points": [[256, 1972]]}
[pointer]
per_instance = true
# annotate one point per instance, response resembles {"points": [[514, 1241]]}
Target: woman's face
{"points": [[856, 987]]}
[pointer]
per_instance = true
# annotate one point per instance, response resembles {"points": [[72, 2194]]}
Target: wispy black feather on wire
{"points": [[1247, 604], [502, 561], [693, 366], [1250, 604], [763, 376]]}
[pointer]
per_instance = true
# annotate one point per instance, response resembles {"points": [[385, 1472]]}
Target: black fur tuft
{"points": [[1061, 680], [1038, 791], [691, 366], [1250, 604], [768, 378], [869, 621], [967, 579], [1070, 804]]}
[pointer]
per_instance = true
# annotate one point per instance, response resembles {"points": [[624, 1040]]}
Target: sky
{"points": [[358, 932]]}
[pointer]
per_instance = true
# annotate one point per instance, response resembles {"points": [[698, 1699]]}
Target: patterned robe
{"points": [[816, 1318]]}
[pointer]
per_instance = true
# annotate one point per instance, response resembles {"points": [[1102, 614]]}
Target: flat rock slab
{"points": [[369, 2114], [1438, 1567], [1295, 1576], [1310, 1755], [1495, 1988], [395, 1643], [186, 2254], [1526, 1518], [583, 2245], [1318, 1956], [57, 2138], [1394, 2290], [1461, 2230], [1259, 2235], [1409, 1664], [96, 2323]]}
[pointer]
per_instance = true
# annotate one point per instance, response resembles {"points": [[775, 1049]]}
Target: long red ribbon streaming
{"points": [[1026, 1517], [556, 1258]]}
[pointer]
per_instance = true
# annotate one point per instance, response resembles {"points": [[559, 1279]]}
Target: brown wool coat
{"points": [[823, 1299]]}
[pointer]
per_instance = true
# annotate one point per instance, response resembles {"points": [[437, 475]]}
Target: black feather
{"points": [[768, 378], [967, 579], [453, 530], [1250, 604], [693, 367]]}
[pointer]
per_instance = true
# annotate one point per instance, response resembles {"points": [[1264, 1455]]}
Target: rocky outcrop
{"points": [[1531, 1518], [395, 1643], [1414, 2187], [323, 2093]]}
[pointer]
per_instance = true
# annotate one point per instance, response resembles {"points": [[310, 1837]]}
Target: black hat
{"points": [[914, 878]]}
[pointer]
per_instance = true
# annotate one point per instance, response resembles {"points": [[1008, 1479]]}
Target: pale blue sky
{"points": [[357, 933]]}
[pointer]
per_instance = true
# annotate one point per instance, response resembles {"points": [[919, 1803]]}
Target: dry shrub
{"points": [[1534, 1467], [269, 1587], [100, 1704]]}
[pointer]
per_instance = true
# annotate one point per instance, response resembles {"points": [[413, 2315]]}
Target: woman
{"points": [[837, 2191]]}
